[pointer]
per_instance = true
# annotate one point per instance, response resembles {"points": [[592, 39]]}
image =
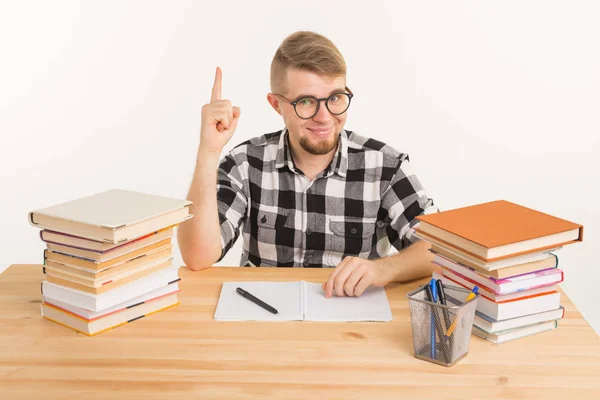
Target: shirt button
{"points": [[306, 263], [353, 230], [308, 231]]}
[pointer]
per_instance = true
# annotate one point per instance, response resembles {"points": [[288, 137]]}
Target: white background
{"points": [[492, 100]]}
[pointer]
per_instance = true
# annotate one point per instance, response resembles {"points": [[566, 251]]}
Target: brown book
{"points": [[96, 250], [107, 255], [113, 216], [498, 230], [78, 262], [548, 261], [54, 268], [85, 287]]}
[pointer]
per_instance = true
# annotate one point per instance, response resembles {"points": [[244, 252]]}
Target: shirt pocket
{"points": [[274, 237], [351, 237]]}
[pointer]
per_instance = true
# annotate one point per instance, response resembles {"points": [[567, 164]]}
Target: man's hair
{"points": [[307, 51]]}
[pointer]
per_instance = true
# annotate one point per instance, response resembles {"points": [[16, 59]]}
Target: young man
{"points": [[312, 194]]}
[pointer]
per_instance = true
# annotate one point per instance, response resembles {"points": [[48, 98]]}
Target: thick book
{"points": [[55, 244], [91, 315], [503, 268], [532, 280], [300, 301], [113, 216], [513, 308], [99, 302], [78, 262], [91, 327], [497, 230], [513, 334], [458, 280], [99, 286], [490, 325]]}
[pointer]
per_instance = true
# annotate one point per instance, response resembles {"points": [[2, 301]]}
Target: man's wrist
{"points": [[207, 157], [389, 267]]}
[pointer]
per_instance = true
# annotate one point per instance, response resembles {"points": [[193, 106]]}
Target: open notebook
{"points": [[301, 300]]}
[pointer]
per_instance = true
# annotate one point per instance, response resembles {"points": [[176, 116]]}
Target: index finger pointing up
{"points": [[216, 90]]}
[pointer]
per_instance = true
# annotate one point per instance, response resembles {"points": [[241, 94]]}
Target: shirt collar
{"points": [[339, 162]]}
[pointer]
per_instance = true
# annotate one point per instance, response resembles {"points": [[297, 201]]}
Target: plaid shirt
{"points": [[361, 204]]}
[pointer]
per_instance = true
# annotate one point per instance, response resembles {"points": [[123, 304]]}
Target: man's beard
{"points": [[321, 148]]}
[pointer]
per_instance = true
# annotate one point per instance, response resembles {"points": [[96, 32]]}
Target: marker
{"points": [[256, 301]]}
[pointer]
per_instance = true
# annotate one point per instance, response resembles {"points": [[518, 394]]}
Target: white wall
{"points": [[492, 100]]}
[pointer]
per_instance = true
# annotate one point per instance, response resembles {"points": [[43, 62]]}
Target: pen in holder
{"points": [[441, 332]]}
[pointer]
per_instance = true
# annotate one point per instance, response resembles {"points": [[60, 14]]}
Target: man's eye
{"points": [[334, 98], [305, 102]]}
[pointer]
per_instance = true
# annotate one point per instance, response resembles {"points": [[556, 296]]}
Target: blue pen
{"points": [[434, 293], [433, 289]]}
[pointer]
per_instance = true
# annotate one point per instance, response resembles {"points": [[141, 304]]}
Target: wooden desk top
{"points": [[182, 353]]}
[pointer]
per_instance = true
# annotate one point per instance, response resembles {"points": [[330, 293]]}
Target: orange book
{"points": [[497, 230]]}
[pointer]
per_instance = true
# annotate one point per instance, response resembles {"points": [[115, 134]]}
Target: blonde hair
{"points": [[307, 51]]}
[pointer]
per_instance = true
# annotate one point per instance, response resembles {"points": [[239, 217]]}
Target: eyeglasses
{"points": [[308, 106]]}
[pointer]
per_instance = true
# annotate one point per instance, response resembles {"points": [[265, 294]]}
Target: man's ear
{"points": [[274, 102]]}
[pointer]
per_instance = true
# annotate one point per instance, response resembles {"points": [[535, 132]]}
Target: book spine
{"points": [[556, 258], [31, 221]]}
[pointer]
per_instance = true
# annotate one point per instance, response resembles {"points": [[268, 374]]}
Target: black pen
{"points": [[256, 301], [442, 295], [436, 327]]}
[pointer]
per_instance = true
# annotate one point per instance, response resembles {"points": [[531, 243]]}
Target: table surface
{"points": [[183, 353]]}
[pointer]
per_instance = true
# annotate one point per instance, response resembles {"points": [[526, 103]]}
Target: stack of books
{"points": [[509, 252], [108, 258]]}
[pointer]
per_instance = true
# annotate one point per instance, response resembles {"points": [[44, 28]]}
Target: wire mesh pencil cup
{"points": [[441, 333]]}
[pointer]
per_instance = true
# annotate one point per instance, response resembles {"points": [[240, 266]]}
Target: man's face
{"points": [[318, 135]]}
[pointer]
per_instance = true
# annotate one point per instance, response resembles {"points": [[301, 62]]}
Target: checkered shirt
{"points": [[363, 203]]}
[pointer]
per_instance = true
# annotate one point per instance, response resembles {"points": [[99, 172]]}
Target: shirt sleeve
{"points": [[403, 200], [232, 202]]}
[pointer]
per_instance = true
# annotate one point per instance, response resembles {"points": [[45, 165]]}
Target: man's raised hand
{"points": [[219, 119]]}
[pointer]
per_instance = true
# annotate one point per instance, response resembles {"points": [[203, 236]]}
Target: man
{"points": [[312, 194]]}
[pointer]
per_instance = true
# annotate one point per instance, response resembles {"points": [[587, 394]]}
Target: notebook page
{"points": [[285, 297], [372, 305]]}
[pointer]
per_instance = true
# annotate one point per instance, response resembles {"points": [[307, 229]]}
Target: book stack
{"points": [[108, 258], [509, 252]]}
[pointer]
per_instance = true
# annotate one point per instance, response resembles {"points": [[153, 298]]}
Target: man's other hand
{"points": [[353, 276]]}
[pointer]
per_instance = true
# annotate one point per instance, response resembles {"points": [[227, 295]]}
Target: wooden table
{"points": [[183, 353]]}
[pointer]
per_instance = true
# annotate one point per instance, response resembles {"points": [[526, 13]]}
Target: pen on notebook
{"points": [[255, 300], [469, 298]]}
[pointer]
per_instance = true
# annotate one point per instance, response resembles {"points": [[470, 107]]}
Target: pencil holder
{"points": [[441, 333]]}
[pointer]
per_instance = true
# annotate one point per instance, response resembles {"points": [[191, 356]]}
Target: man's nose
{"points": [[323, 115]]}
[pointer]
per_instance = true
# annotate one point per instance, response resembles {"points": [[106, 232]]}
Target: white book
{"points": [[518, 307], [88, 314], [110, 321], [514, 334], [113, 297], [490, 325], [113, 216], [300, 301]]}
